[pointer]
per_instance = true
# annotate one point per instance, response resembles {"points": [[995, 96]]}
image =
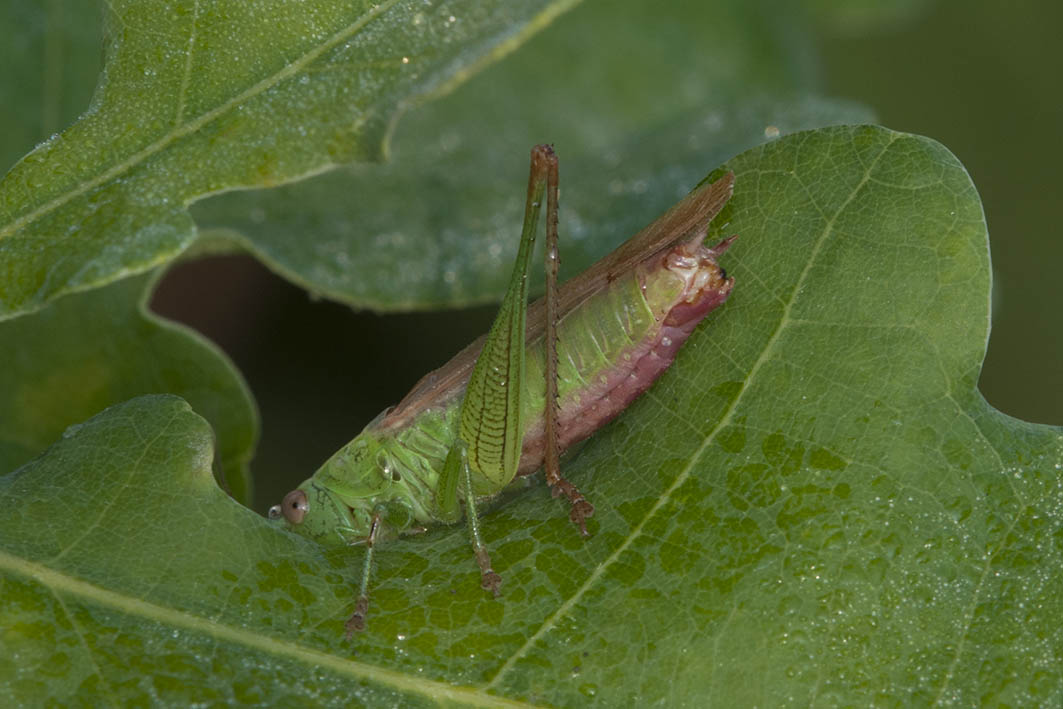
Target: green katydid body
{"points": [[402, 464], [619, 325]]}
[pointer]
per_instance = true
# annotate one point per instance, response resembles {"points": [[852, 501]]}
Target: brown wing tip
{"points": [[728, 182], [710, 199], [719, 190]]}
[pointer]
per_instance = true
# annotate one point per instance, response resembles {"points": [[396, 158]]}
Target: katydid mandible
{"points": [[545, 377]]}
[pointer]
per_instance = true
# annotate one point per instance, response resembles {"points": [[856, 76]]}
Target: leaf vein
{"points": [[62, 583], [186, 78]]}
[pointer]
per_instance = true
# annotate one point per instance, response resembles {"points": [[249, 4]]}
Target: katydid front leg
{"points": [[356, 623], [490, 427]]}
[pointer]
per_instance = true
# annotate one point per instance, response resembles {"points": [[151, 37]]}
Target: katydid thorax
{"points": [[545, 377]]}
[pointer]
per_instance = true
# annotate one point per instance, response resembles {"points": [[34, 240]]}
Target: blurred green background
{"points": [[979, 78]]}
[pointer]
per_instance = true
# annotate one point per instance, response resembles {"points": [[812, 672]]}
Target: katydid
{"points": [[543, 378]]}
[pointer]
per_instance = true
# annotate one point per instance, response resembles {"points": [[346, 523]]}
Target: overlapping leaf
{"points": [[198, 98]]}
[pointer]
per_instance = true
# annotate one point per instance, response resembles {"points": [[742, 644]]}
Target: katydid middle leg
{"points": [[489, 580]]}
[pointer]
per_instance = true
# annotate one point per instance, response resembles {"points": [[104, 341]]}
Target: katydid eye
{"points": [[294, 506]]}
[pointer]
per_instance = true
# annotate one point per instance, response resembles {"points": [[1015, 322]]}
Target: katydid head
{"points": [[313, 510], [359, 492]]}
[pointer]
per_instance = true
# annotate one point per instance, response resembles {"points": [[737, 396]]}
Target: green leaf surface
{"points": [[81, 354], [635, 116], [813, 506], [198, 98]]}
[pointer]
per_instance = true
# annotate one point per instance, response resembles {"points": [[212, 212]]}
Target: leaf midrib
{"points": [[63, 584]]}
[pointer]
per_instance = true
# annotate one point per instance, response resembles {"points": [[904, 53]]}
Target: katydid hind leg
{"points": [[581, 508], [490, 421], [490, 430]]}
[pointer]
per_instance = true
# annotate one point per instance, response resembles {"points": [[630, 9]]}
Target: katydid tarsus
{"points": [[543, 378]]}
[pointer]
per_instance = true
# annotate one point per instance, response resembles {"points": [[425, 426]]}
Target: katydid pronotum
{"points": [[545, 377]]}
